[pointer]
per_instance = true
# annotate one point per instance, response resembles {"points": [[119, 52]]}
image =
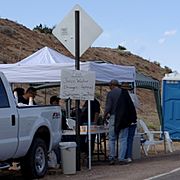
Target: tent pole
{"points": [[159, 109]]}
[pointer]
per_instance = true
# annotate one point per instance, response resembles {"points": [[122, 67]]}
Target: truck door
{"points": [[8, 125]]}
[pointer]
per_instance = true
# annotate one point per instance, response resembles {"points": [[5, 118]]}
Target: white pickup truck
{"points": [[27, 133]]}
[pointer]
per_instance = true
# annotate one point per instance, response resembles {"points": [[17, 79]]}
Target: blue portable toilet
{"points": [[171, 104]]}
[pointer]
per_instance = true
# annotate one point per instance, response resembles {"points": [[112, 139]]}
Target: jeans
{"points": [[131, 132], [122, 136]]}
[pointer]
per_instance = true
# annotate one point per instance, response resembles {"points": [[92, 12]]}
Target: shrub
{"points": [[121, 48], [167, 69], [43, 29]]}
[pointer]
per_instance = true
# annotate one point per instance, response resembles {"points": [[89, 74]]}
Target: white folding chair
{"points": [[169, 142], [151, 141], [71, 123]]}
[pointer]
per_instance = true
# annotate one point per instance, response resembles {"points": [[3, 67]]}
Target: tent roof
{"points": [[147, 82], [174, 76], [143, 81], [45, 56]]}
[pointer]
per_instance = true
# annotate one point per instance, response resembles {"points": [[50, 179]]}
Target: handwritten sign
{"points": [[77, 84]]}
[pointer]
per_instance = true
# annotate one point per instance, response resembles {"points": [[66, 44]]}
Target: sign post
{"points": [[77, 103], [77, 32]]}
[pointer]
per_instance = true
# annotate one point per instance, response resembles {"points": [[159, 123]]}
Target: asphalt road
{"points": [[161, 166]]}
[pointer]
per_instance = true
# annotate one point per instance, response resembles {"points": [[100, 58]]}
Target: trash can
{"points": [[68, 157]]}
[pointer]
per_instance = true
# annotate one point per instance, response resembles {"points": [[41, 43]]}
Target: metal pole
{"points": [[77, 103], [77, 40], [89, 133]]}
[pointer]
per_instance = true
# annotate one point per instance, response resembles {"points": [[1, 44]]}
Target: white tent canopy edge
{"points": [[40, 73]]}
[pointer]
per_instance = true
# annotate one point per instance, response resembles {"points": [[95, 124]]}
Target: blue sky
{"points": [[150, 29]]}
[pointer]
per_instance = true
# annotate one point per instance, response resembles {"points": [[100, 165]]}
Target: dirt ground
{"points": [[142, 168]]}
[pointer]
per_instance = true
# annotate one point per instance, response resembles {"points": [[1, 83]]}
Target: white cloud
{"points": [[167, 34], [170, 33]]}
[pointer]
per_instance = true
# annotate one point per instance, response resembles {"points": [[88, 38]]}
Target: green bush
{"points": [[43, 29]]}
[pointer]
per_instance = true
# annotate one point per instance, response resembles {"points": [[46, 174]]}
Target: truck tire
{"points": [[35, 163]]}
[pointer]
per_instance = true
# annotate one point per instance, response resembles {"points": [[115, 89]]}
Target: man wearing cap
{"points": [[110, 111]]}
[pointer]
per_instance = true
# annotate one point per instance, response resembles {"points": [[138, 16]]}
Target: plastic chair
{"points": [[151, 141], [71, 123]]}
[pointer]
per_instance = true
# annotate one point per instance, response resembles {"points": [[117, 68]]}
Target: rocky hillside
{"points": [[18, 42]]}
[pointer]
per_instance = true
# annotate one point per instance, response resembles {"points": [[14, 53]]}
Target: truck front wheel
{"points": [[35, 164]]}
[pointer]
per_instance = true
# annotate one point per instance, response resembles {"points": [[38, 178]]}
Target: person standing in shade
{"points": [[95, 111], [125, 115], [132, 127], [110, 111]]}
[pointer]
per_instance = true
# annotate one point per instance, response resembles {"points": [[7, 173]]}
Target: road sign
{"points": [[65, 31]]}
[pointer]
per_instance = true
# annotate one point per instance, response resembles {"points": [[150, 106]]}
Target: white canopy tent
{"points": [[46, 64]]}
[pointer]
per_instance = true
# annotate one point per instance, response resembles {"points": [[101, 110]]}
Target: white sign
{"points": [[77, 84], [65, 31]]}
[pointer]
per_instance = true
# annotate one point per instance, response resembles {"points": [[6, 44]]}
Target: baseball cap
{"points": [[114, 82]]}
